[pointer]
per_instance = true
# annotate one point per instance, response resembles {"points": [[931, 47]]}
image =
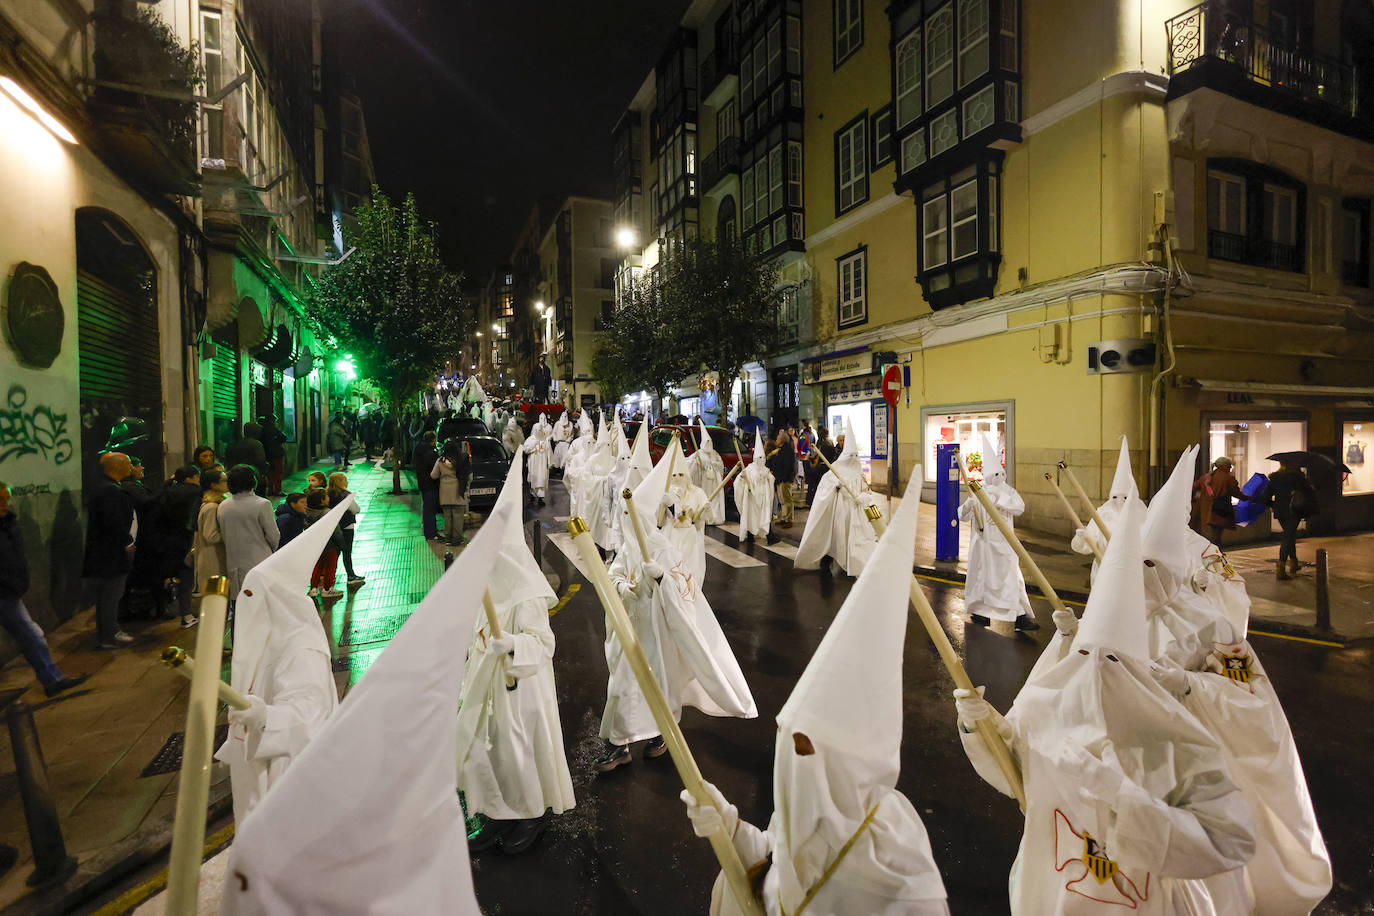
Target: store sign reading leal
{"points": [[34, 320]]}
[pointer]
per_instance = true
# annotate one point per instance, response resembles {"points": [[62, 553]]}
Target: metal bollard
{"points": [[537, 543], [448, 559], [50, 859], [1323, 596]]}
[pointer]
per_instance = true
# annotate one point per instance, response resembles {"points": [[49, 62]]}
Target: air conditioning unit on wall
{"points": [[1128, 354]]}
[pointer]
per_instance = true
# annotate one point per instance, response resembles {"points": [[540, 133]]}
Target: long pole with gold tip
{"points": [[193, 788], [735, 876], [1092, 510], [177, 659], [1073, 516]]}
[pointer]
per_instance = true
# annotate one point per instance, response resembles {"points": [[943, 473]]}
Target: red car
{"points": [[724, 440]]}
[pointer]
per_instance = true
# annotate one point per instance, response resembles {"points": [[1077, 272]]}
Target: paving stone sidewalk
{"points": [[98, 740]]}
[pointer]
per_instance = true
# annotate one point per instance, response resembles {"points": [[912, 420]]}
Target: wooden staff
{"points": [[693, 438], [1101, 525], [1073, 516], [712, 498], [831, 468], [721, 844], [177, 659], [495, 627], [676, 447], [636, 525], [977, 489], [986, 732], [193, 786]]}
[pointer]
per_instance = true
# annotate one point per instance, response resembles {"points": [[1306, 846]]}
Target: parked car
{"points": [[724, 441], [459, 427], [490, 463]]}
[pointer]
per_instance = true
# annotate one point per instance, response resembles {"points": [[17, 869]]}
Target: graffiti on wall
{"points": [[37, 430]]}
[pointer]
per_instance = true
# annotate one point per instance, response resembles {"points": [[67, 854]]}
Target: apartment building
{"points": [[1065, 224]]}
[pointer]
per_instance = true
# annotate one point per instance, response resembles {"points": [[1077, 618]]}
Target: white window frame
{"points": [[792, 46], [726, 120], [968, 41], [939, 58], [1272, 226], [882, 133], [955, 223], [916, 140], [849, 28], [852, 188], [761, 211], [909, 80], [774, 51], [794, 173], [851, 297], [775, 179], [937, 206], [746, 79], [207, 109], [1223, 179], [746, 194]]}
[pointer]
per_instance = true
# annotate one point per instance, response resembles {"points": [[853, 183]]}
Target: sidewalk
{"points": [[1284, 607], [100, 740]]}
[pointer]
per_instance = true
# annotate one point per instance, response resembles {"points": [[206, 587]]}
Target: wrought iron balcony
{"points": [[1227, 246], [724, 160], [1247, 56]]}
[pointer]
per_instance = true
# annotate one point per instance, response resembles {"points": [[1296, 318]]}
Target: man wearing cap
{"points": [[111, 529]]}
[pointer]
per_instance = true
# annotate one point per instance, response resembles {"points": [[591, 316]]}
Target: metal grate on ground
{"points": [[168, 758]]}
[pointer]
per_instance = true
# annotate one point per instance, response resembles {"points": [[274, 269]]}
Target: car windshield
{"points": [[722, 440], [486, 450]]}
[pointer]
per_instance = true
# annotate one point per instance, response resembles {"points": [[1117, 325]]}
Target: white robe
{"points": [[1107, 753], [995, 587], [754, 499], [836, 526], [708, 470], [684, 533], [512, 437], [296, 684], [538, 455], [562, 435], [683, 643], [590, 489], [511, 763]]}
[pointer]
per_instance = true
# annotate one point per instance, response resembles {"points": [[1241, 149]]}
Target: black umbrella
{"points": [[1309, 460]]}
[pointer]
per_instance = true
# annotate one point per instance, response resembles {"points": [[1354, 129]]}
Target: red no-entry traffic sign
{"points": [[892, 384]]}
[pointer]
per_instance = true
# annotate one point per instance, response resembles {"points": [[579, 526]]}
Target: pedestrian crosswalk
{"points": [[782, 548], [723, 552], [730, 556]]}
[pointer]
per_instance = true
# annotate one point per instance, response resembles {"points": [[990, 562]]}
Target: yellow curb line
{"points": [[131, 898], [1315, 642], [567, 596]]}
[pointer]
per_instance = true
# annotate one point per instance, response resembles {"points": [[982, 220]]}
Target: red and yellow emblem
{"points": [[1099, 866]]}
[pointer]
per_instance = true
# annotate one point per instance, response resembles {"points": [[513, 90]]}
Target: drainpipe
{"points": [[1164, 342]]}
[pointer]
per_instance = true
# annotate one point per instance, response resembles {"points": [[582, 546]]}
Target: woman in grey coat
{"points": [[248, 526], [453, 470]]}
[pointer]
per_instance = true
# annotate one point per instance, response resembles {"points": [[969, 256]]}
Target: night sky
{"points": [[482, 106]]}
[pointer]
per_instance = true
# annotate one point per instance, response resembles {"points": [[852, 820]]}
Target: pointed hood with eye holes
{"points": [[1166, 521], [838, 754], [994, 473], [1123, 483], [515, 577], [704, 442], [273, 611], [1115, 616]]}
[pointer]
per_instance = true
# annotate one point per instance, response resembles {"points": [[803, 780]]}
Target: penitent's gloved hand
{"points": [[254, 718], [708, 819]]}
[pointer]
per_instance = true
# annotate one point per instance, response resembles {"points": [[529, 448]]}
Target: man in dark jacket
{"points": [[541, 380], [274, 447], [423, 461], [14, 617], [1291, 497], [110, 532], [249, 450], [783, 464]]}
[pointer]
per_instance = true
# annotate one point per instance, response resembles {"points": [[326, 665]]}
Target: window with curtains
{"points": [[851, 164], [1255, 215]]}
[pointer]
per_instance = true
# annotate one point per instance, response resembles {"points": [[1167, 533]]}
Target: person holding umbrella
{"points": [[1292, 499], [1213, 493]]}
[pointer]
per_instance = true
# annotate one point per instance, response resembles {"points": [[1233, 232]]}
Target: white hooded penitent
{"points": [[1128, 799], [995, 587], [841, 834], [368, 820], [539, 453], [1123, 491], [281, 655], [511, 763], [754, 494], [708, 470], [836, 526]]}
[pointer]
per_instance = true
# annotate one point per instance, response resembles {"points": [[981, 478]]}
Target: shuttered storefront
{"points": [[120, 366], [224, 391]]}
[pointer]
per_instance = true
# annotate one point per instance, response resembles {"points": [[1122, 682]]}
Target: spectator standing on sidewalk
{"points": [[1214, 492], [290, 518], [783, 464], [204, 459], [111, 528], [423, 461], [274, 447], [453, 471], [336, 440], [208, 545], [14, 617], [176, 509], [1292, 498], [322, 577], [338, 492], [248, 450], [248, 526]]}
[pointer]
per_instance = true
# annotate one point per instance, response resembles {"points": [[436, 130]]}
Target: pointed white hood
{"points": [[1166, 520], [340, 833], [1123, 483], [1115, 616], [585, 427], [704, 443], [838, 752], [472, 392], [516, 577], [851, 442], [759, 455], [273, 610], [994, 474], [641, 461], [651, 489]]}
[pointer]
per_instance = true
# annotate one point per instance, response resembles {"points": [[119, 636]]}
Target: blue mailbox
{"points": [[947, 502]]}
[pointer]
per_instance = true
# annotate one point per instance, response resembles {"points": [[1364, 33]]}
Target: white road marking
{"points": [[564, 542], [781, 548], [730, 556]]}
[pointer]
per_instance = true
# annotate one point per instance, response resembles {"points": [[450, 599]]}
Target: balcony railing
{"points": [[1227, 246], [1209, 32], [724, 160], [717, 65]]}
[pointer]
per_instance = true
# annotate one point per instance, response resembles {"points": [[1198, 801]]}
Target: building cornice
{"points": [[850, 220], [1147, 85]]}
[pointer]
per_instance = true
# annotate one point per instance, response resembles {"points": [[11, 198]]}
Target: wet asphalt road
{"points": [[627, 846]]}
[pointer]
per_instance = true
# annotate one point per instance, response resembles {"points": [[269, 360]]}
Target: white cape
{"points": [[836, 525], [753, 488], [708, 469]]}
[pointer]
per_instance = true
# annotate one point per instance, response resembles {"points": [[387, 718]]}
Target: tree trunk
{"points": [[397, 447]]}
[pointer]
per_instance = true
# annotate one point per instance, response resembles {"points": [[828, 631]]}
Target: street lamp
{"points": [[496, 329], [539, 306], [625, 238]]}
